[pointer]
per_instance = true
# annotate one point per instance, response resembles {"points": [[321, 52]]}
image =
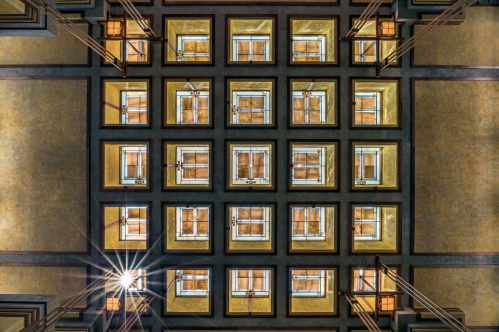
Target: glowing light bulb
{"points": [[126, 279]]}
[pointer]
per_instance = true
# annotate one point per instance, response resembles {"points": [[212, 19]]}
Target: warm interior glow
{"points": [[126, 280]]}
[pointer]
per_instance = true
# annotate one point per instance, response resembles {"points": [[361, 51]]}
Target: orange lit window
{"points": [[113, 304], [388, 28], [387, 303], [114, 28]]}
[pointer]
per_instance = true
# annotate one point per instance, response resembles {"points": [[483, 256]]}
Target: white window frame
{"points": [[265, 292], [180, 292], [181, 39], [124, 225], [321, 166], [124, 105], [376, 111], [123, 157], [143, 44], [236, 109], [309, 293], [179, 236], [181, 150], [248, 237], [247, 149], [305, 38], [364, 44], [251, 39], [310, 94], [377, 162], [195, 95], [322, 225], [361, 282], [376, 221]]}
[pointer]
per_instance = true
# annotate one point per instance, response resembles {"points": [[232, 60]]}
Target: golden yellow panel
{"points": [[455, 158], [43, 138], [459, 287], [65, 49], [63, 281], [11, 7], [439, 49]]}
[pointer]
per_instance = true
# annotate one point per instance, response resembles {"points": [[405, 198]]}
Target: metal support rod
{"points": [[51, 318], [137, 17], [431, 306], [451, 12], [362, 20], [146, 301], [366, 318], [72, 28]]}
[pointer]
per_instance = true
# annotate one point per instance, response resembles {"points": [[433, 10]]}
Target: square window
{"points": [[250, 102], [114, 28], [375, 165], [388, 29], [124, 227], [376, 103], [125, 165], [251, 40], [313, 291], [137, 48], [125, 103], [188, 40], [313, 40], [314, 102], [250, 165], [312, 228], [313, 165], [188, 103], [375, 228], [187, 165], [365, 52], [188, 228], [113, 304], [188, 291], [250, 228], [364, 280], [250, 292]]}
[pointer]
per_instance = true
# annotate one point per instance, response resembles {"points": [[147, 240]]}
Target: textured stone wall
{"points": [[44, 162], [472, 43], [473, 290], [63, 281], [456, 149], [65, 49]]}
